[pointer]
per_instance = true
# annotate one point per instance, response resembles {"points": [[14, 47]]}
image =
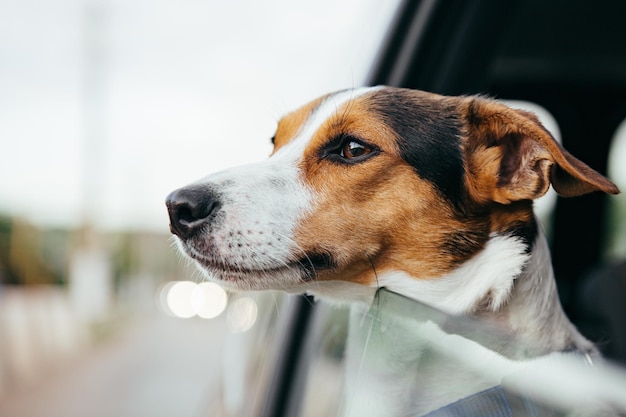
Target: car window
{"points": [[402, 358], [325, 377], [253, 323]]}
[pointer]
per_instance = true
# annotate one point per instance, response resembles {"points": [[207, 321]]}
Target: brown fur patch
{"points": [[378, 211], [290, 124]]}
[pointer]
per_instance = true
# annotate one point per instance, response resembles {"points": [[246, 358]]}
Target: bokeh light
{"points": [[185, 299], [179, 299], [208, 300]]}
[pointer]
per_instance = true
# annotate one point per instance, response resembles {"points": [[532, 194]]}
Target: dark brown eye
{"points": [[352, 149], [345, 149]]}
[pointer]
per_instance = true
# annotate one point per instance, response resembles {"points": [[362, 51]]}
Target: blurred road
{"points": [[161, 367]]}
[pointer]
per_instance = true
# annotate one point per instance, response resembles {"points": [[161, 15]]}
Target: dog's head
{"points": [[367, 181]]}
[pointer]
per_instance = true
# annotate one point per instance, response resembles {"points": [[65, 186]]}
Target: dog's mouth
{"points": [[314, 263], [307, 268]]}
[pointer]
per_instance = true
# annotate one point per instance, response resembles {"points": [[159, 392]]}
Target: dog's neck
{"points": [[504, 284], [508, 286], [534, 313]]}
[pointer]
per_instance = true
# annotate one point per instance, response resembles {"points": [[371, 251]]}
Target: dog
{"points": [[426, 195]]}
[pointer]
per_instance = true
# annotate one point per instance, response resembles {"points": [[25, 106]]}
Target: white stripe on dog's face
{"points": [[250, 242], [330, 106]]}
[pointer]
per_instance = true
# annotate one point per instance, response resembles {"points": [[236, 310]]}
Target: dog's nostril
{"points": [[190, 209], [185, 215]]}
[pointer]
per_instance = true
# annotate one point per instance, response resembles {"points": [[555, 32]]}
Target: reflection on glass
{"points": [[402, 358], [242, 315], [254, 320]]}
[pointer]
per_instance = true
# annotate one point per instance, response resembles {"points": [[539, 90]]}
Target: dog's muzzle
{"points": [[191, 209]]}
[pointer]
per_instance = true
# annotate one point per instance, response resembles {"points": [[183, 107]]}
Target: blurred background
{"points": [[105, 107]]}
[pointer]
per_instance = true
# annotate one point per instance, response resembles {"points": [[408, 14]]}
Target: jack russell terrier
{"points": [[426, 195]]}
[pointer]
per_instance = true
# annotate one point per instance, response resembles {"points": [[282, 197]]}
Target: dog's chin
{"points": [[285, 276], [247, 279]]}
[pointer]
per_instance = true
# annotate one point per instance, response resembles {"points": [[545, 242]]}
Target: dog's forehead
{"points": [[291, 124], [301, 125], [429, 130], [424, 129]]}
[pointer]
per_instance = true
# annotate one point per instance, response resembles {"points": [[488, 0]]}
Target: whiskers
{"points": [[369, 258], [300, 252], [266, 258]]}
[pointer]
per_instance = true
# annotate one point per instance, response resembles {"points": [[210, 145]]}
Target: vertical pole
{"points": [[90, 272]]}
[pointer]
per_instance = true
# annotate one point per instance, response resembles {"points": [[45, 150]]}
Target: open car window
{"points": [[402, 358]]}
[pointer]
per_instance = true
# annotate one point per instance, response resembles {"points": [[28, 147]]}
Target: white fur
{"points": [[489, 274]]}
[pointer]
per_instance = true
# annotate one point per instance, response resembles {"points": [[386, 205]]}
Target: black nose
{"points": [[190, 209]]}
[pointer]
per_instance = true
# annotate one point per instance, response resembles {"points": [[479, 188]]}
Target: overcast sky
{"points": [[106, 106]]}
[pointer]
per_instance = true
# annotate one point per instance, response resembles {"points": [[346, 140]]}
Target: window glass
{"points": [[325, 376], [402, 358], [253, 321]]}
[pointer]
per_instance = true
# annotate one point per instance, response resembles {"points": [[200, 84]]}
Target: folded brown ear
{"points": [[510, 157]]}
